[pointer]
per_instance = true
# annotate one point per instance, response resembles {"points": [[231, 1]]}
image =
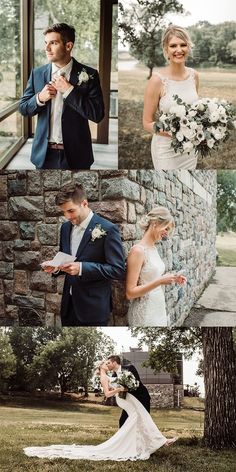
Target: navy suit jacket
{"points": [[84, 103], [102, 261]]}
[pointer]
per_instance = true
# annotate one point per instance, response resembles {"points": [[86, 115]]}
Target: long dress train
{"points": [[135, 440]]}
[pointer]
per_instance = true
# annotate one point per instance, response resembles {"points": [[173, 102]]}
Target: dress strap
{"points": [[165, 82], [191, 73]]}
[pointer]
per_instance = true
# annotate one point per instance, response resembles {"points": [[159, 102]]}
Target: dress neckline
{"points": [[190, 75]]}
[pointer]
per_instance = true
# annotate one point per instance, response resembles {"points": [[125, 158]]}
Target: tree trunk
{"points": [[220, 386]]}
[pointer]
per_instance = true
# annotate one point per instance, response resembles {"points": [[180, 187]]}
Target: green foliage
{"points": [[166, 346], [49, 357], [226, 200], [7, 362], [83, 15], [142, 23], [214, 45]]}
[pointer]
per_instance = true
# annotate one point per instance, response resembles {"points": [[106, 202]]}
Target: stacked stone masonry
{"points": [[30, 226]]}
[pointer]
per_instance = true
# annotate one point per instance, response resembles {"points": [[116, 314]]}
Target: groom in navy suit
{"points": [[95, 243], [64, 94]]}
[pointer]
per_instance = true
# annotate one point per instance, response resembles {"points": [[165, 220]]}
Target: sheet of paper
{"points": [[60, 259]]}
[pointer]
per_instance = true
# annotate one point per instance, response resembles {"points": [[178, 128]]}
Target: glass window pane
{"points": [[10, 50], [10, 132], [114, 65]]}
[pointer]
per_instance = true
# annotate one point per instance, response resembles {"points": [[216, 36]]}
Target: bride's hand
{"points": [[122, 389], [181, 279], [164, 133], [168, 279]]}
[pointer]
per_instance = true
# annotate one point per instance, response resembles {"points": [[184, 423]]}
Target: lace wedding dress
{"points": [[135, 440], [163, 155], [149, 310]]}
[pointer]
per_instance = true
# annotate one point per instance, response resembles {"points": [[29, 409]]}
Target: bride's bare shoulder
{"points": [[137, 250]]}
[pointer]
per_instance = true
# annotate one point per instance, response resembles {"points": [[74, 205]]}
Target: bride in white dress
{"points": [[175, 79], [145, 272], [135, 440]]}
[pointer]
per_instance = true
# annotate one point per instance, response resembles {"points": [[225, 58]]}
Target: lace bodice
{"points": [[153, 266], [185, 89]]}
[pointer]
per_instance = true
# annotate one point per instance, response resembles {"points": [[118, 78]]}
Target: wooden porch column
{"points": [[105, 54]]}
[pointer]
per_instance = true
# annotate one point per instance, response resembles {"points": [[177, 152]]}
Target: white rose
{"points": [[84, 77], [179, 136], [210, 143], [214, 116], [96, 233], [193, 125], [200, 107], [188, 133], [217, 134], [188, 147], [192, 113], [178, 110]]}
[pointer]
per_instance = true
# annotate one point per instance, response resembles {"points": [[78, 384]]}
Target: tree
{"points": [[226, 200], [68, 360], [219, 367], [25, 342], [7, 362], [220, 387], [142, 22]]}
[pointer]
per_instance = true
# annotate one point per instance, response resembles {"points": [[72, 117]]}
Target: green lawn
{"points": [[56, 423], [226, 248], [134, 142]]}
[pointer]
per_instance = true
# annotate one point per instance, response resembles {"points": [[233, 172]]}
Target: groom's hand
{"points": [[47, 93], [61, 84], [72, 268]]}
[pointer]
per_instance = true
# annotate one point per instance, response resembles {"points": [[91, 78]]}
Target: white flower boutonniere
{"points": [[83, 77], [98, 232]]}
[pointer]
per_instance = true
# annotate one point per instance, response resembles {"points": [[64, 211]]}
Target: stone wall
{"points": [[165, 395], [30, 225]]}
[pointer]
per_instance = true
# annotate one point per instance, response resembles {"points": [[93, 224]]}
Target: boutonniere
{"points": [[98, 232], [83, 77]]}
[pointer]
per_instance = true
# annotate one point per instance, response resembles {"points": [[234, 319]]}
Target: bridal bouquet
{"points": [[127, 380], [201, 126]]}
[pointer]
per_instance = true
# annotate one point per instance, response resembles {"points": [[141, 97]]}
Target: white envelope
{"points": [[60, 259]]}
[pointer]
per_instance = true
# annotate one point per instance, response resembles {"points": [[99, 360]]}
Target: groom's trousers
{"points": [[70, 319]]}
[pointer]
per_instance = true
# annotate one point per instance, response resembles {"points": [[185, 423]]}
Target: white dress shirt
{"points": [[57, 103], [77, 235]]}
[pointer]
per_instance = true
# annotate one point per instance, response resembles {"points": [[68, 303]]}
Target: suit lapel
{"points": [[67, 236], [46, 79], [76, 68], [87, 235]]}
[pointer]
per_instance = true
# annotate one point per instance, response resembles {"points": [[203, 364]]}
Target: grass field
{"points": [[226, 248], [134, 142], [23, 424]]}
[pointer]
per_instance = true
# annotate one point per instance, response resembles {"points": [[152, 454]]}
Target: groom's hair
{"points": [[67, 32], [74, 192], [115, 358]]}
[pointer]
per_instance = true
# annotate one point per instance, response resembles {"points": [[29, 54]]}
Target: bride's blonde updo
{"points": [[159, 215], [98, 365], [178, 31]]}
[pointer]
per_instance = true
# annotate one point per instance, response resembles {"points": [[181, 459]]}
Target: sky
{"points": [[214, 11], [124, 341]]}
